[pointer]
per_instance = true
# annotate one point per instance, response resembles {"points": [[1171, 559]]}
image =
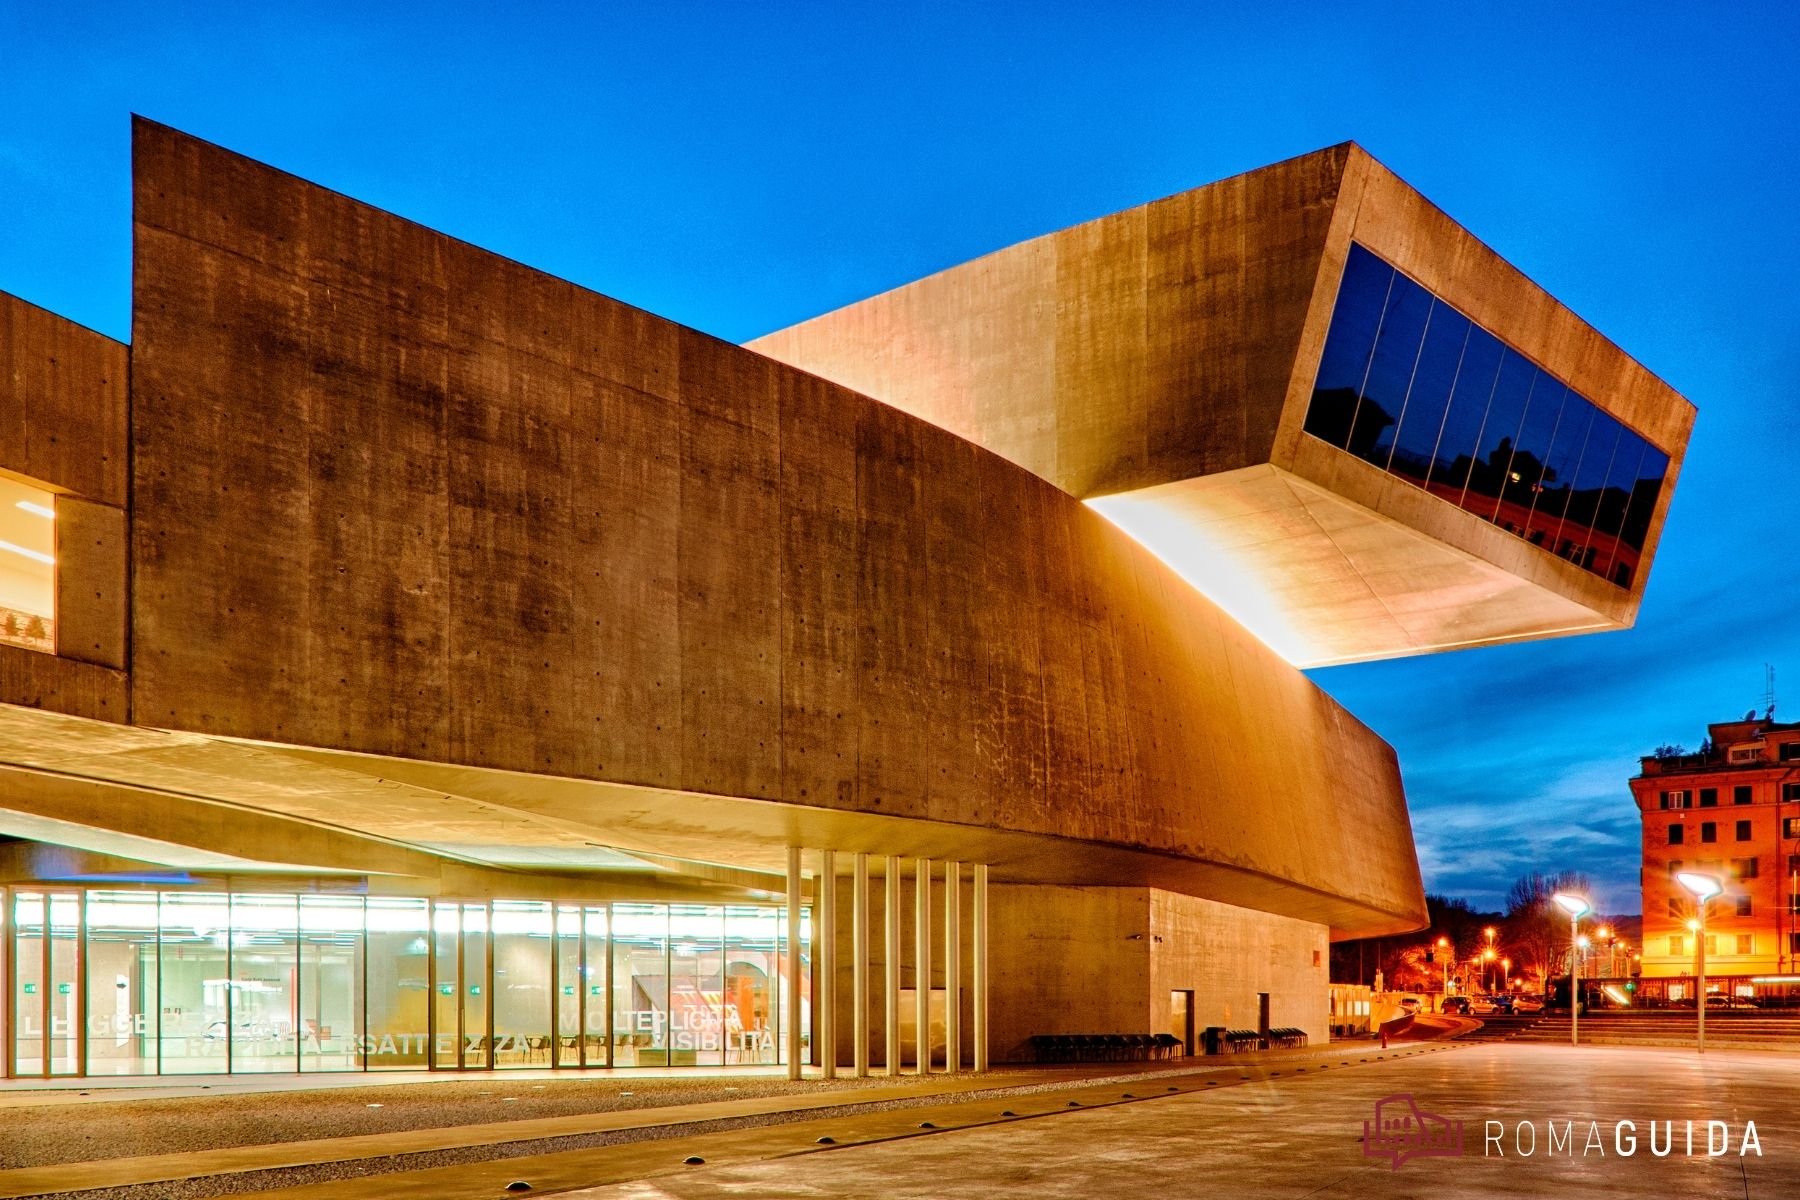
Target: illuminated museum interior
{"points": [[440, 665]]}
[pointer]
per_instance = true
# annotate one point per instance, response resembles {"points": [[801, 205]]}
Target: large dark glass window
{"points": [[1422, 416], [1410, 384], [1345, 363]]}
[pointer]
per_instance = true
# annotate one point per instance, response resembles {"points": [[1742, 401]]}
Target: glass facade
{"points": [[145, 982], [1414, 387]]}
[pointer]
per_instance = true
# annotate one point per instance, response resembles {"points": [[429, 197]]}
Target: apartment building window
{"points": [[1676, 833], [1790, 752], [1743, 943], [1743, 868], [1743, 831], [1677, 799], [1794, 904], [1793, 866], [1674, 867], [1743, 903], [1709, 797], [1790, 791], [1740, 794], [1791, 827], [1709, 831], [1744, 754], [1794, 943], [1712, 943], [1678, 945], [1676, 904]]}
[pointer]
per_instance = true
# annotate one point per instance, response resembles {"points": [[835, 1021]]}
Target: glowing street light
{"points": [[1704, 888], [1575, 906]]}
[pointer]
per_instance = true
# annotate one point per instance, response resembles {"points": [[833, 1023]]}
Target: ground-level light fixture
{"points": [[1704, 888]]}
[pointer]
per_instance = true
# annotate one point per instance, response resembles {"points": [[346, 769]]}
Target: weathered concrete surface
{"points": [[1135, 357], [399, 496], [63, 418]]}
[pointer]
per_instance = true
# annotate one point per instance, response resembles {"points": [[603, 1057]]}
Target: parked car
{"points": [[1715, 1003], [1410, 1004], [1455, 1004], [1486, 1005], [1528, 1004]]}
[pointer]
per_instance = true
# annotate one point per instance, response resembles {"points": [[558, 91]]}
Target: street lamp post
{"points": [[1704, 888], [1444, 949], [1573, 905], [1505, 973]]}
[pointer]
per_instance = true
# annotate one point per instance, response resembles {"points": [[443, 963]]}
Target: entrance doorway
{"points": [[1181, 1019]]}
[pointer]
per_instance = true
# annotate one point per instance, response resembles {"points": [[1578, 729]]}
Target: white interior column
{"points": [[952, 967], [825, 958], [859, 966], [793, 962], [980, 967], [922, 963], [890, 964]]}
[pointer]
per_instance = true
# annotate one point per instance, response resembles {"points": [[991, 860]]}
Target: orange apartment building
{"points": [[1731, 810]]}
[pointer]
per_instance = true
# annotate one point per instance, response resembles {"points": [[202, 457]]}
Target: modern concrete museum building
{"points": [[409, 659]]}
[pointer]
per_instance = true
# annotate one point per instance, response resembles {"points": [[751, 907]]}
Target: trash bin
{"points": [[1212, 1040]]}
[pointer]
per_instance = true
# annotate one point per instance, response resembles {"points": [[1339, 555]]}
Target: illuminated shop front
{"points": [[145, 982]]}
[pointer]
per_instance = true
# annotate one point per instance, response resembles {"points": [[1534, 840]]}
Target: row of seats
{"points": [[1236, 1041], [1103, 1047]]}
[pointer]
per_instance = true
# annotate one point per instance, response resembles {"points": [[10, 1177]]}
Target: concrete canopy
{"points": [[1158, 363], [462, 564]]}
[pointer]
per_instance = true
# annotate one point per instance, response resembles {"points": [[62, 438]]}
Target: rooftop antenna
{"points": [[1769, 691]]}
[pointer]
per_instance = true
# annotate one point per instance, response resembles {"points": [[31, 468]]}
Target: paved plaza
{"points": [[1280, 1126], [1300, 1136]]}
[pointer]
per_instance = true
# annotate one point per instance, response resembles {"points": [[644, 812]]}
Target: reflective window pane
{"points": [[1475, 380], [1499, 432], [331, 971], [640, 945], [64, 992], [265, 960], [1409, 384], [1390, 371], [1345, 361], [28, 983], [121, 982], [478, 1043], [398, 971], [596, 1035], [193, 950], [1422, 417], [1585, 492], [696, 985], [1524, 480], [1559, 472], [1609, 524], [521, 983]]}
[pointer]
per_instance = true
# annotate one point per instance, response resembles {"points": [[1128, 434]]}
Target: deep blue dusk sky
{"points": [[741, 166]]}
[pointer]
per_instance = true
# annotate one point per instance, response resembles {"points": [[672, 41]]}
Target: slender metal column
{"points": [[793, 962], [890, 964], [953, 967], [859, 966], [980, 966], [825, 955], [612, 1012], [82, 989], [922, 962]]}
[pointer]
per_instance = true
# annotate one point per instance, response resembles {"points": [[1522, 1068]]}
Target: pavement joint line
{"points": [[29, 1181]]}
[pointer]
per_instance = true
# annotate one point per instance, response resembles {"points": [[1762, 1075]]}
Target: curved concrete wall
{"points": [[397, 495]]}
